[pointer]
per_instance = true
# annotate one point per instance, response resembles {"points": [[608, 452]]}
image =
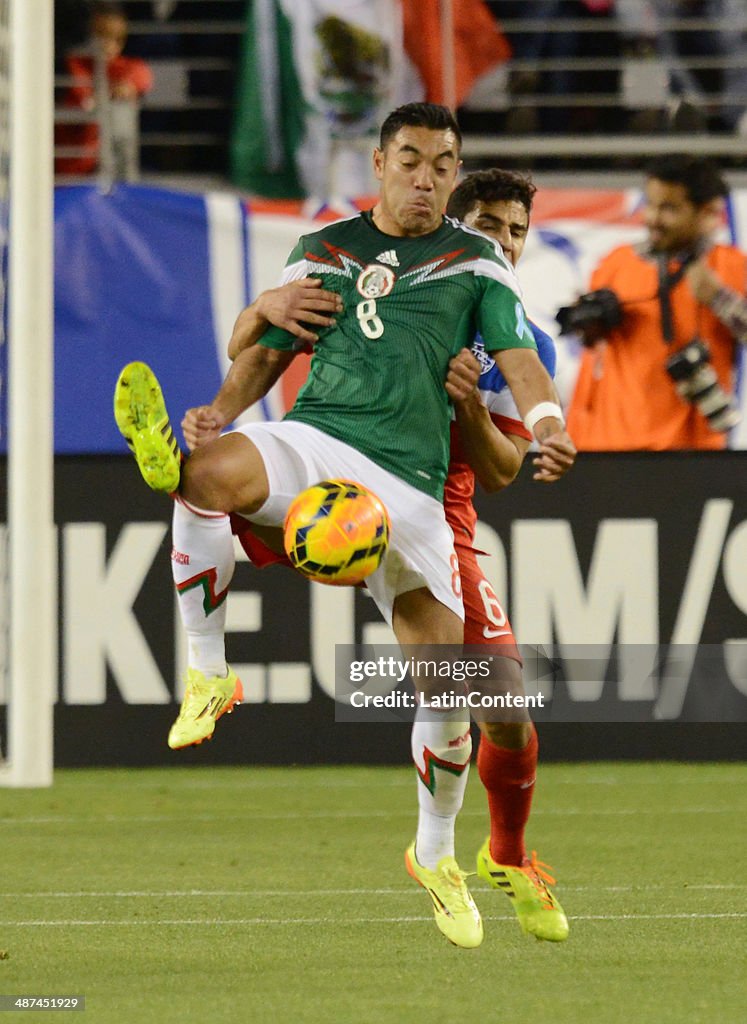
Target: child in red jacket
{"points": [[128, 77]]}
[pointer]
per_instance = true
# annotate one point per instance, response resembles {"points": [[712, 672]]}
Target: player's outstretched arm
{"points": [[295, 307], [537, 401], [283, 307], [530, 384], [251, 376]]}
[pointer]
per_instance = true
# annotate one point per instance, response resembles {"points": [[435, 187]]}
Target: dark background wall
{"points": [[645, 548]]}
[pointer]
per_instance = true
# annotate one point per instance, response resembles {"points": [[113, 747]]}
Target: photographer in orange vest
{"points": [[662, 325]]}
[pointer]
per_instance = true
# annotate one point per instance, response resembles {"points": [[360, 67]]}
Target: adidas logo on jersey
{"points": [[390, 257]]}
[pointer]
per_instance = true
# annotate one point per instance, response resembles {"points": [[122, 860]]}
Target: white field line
{"points": [[336, 920], [314, 893], [254, 780], [190, 819]]}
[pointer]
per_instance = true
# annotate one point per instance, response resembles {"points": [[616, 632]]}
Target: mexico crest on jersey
{"points": [[375, 281]]}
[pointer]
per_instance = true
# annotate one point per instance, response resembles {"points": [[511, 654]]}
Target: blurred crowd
{"points": [[183, 81], [639, 67], [643, 65]]}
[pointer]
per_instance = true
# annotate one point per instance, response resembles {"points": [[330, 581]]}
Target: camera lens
{"points": [[696, 381]]}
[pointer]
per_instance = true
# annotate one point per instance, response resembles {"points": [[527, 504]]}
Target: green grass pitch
{"points": [[280, 895]]}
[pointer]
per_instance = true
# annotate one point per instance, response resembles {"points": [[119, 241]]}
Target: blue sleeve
{"points": [[545, 347], [491, 378]]}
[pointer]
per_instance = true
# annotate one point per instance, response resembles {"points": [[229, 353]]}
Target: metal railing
{"points": [[114, 149], [183, 124], [580, 91], [642, 77]]}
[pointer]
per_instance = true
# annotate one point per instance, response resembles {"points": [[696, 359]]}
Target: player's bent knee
{"points": [[227, 475]]}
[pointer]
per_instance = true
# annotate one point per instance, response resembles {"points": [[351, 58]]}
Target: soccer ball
{"points": [[336, 532]]}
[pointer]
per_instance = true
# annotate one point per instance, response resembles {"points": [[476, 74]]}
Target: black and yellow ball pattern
{"points": [[336, 532]]}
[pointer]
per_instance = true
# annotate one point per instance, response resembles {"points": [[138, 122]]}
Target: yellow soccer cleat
{"points": [[453, 907], [204, 702], [536, 907], [141, 416]]}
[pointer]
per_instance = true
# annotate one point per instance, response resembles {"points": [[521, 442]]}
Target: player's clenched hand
{"points": [[464, 373], [200, 425], [555, 456], [298, 305]]}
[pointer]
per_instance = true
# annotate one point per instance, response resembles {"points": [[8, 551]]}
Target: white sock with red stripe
{"points": [[202, 563], [441, 750]]}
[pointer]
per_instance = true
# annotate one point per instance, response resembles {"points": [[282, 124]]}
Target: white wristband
{"points": [[540, 412]]}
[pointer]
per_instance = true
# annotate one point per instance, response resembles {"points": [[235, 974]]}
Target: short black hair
{"points": [[419, 115], [700, 177], [492, 186]]}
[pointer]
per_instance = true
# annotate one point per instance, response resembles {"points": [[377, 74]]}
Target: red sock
{"points": [[508, 776]]}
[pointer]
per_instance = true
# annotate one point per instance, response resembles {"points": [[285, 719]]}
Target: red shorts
{"points": [[485, 621], [256, 550]]}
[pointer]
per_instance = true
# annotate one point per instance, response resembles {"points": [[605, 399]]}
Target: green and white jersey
{"points": [[377, 376]]}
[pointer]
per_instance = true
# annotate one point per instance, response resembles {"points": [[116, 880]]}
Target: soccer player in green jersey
{"points": [[416, 288]]}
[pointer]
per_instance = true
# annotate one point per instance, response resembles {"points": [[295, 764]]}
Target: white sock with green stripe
{"points": [[202, 563], [441, 750]]}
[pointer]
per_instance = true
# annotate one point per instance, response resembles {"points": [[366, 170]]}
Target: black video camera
{"points": [[592, 316]]}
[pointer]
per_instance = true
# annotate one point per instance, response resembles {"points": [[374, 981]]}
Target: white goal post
{"points": [[31, 595]]}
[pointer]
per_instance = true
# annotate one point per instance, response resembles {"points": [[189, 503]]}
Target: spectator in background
{"points": [[128, 78], [705, 89], [562, 45], [662, 327], [702, 45]]}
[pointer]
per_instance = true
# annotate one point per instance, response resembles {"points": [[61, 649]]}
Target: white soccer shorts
{"points": [[421, 544]]}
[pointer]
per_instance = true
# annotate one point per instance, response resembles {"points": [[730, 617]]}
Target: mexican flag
{"points": [[319, 76], [479, 45]]}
